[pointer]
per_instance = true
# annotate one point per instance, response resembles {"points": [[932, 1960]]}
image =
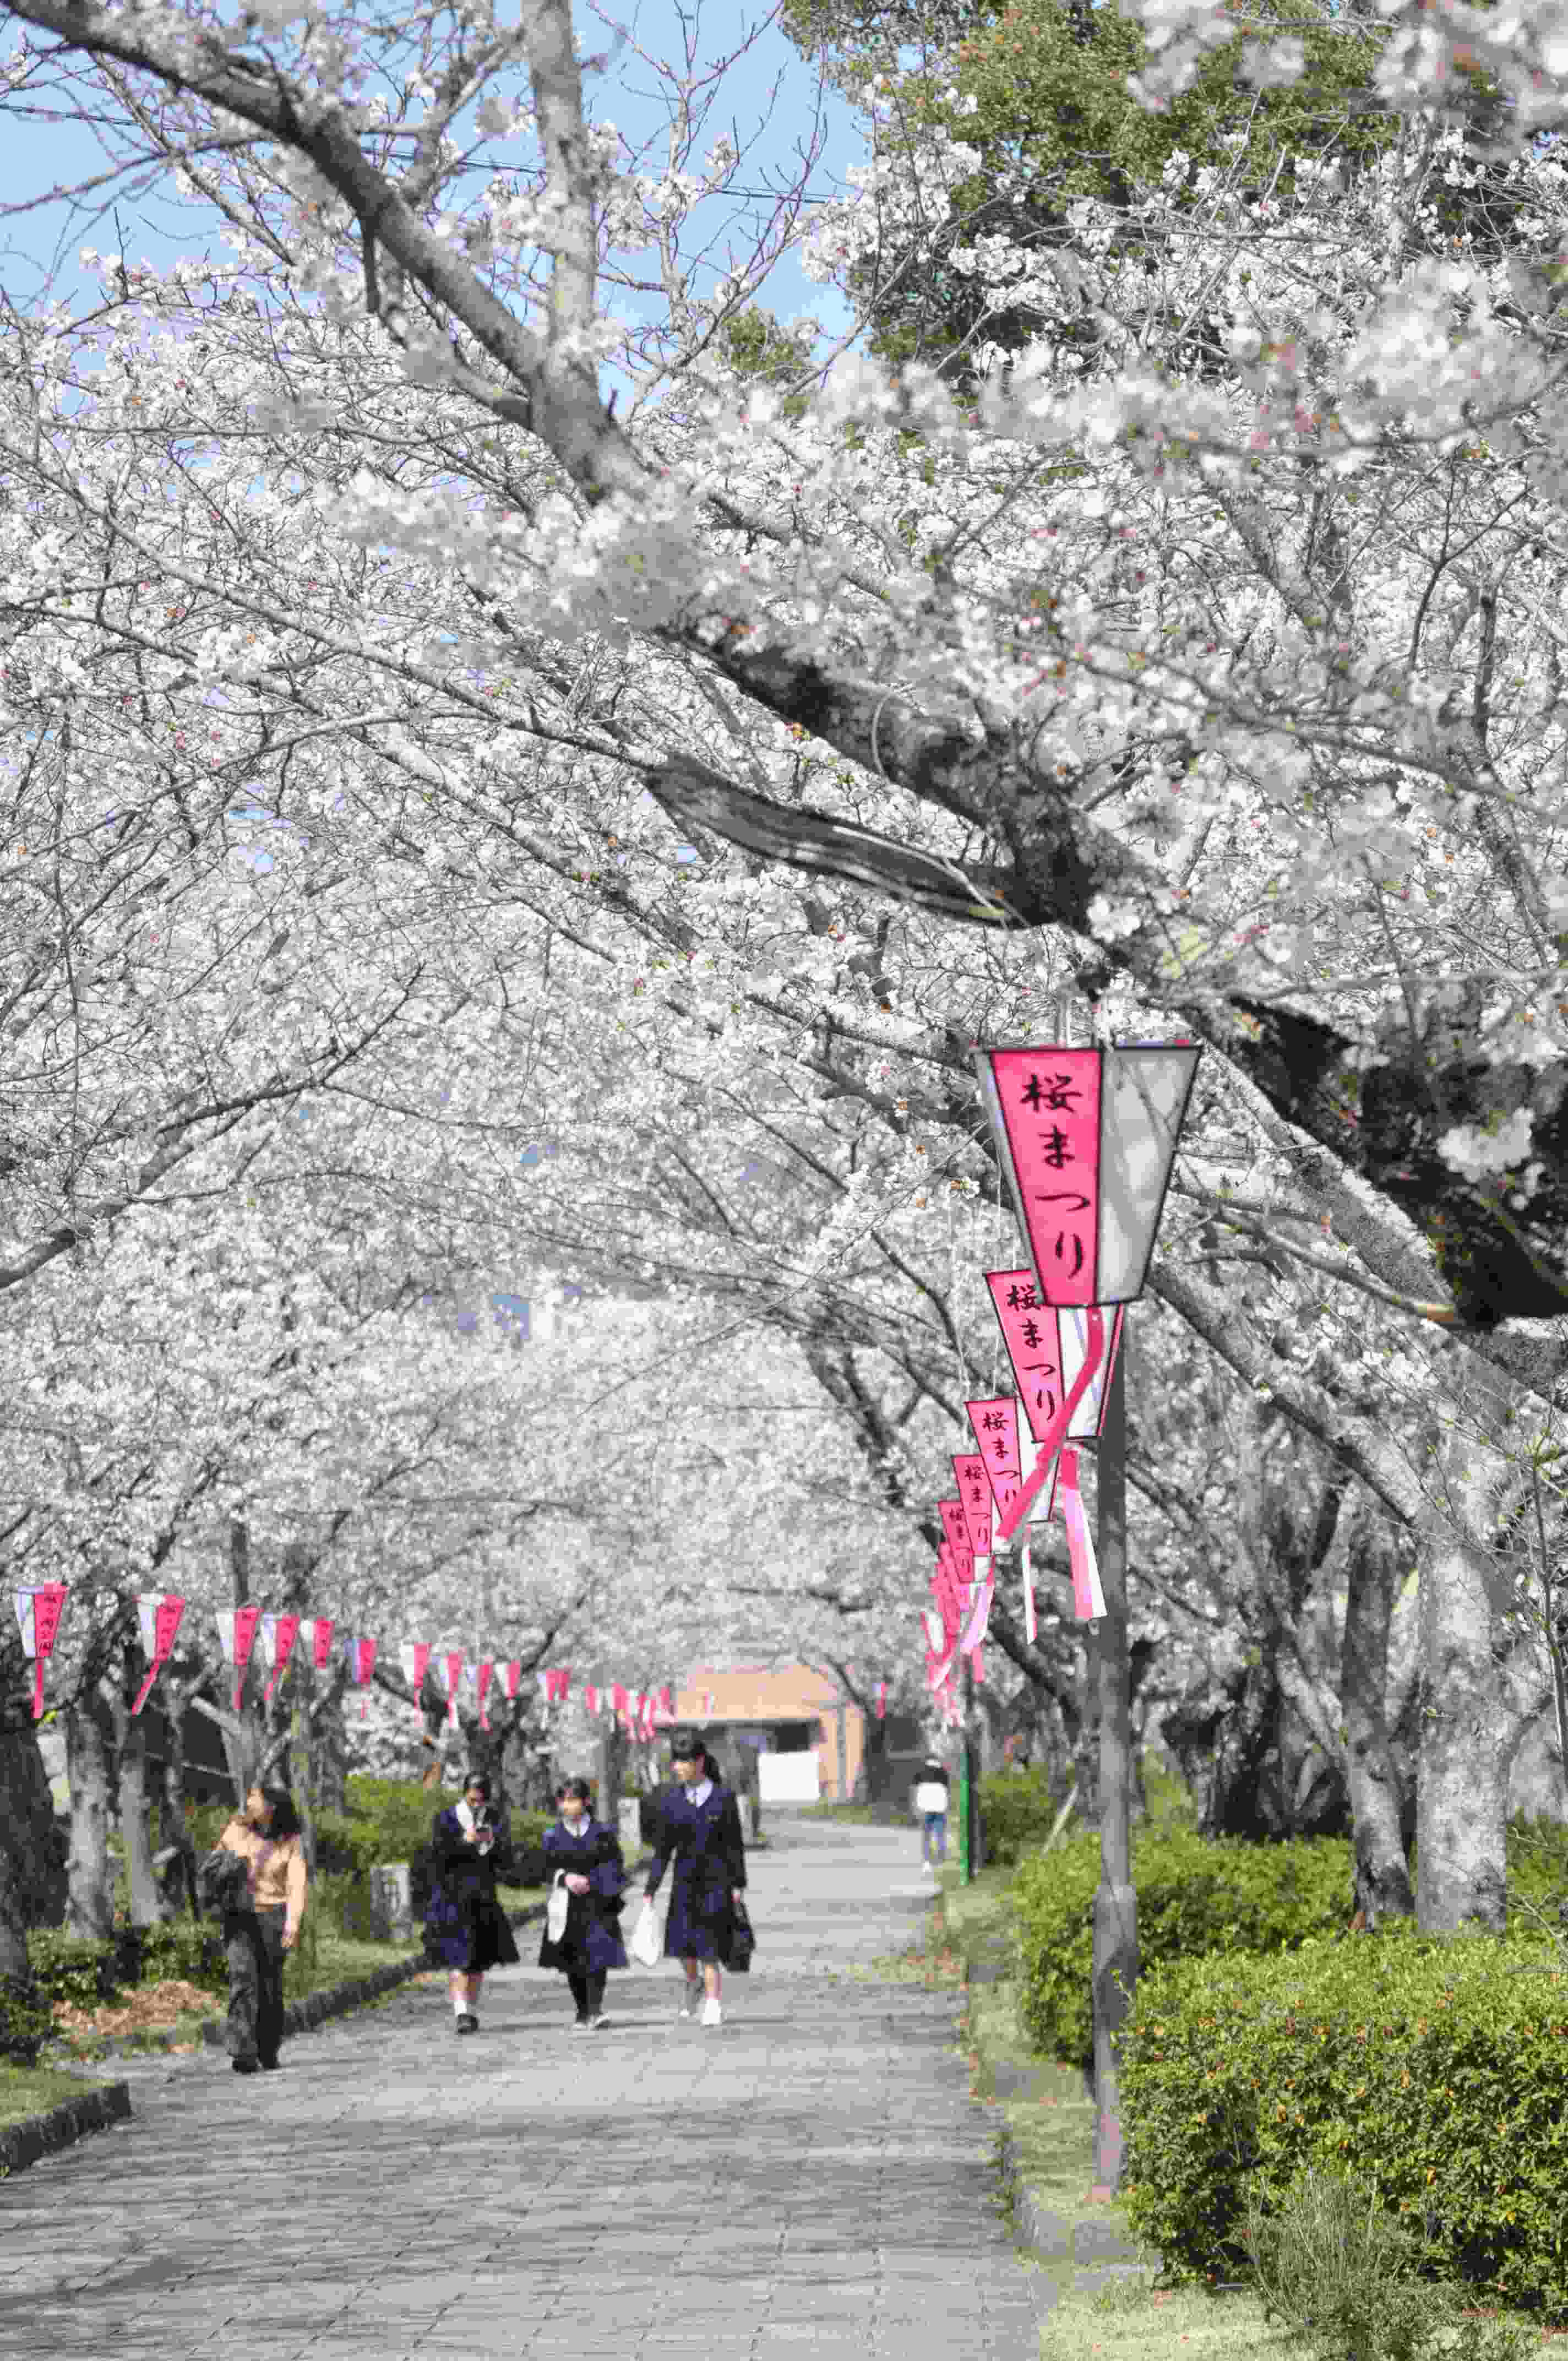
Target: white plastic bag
{"points": [[555, 1912], [647, 1945]]}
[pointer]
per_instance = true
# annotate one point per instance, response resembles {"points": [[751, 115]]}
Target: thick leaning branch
{"points": [[1381, 1113]]}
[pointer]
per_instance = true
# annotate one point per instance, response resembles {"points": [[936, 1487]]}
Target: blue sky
{"points": [[767, 100]]}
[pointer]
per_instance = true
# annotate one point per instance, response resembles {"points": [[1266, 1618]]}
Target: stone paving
{"points": [[811, 2179]]}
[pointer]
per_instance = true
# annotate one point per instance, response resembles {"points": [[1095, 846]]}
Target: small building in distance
{"points": [[815, 1735]]}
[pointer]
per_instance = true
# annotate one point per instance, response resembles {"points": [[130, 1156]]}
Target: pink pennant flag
{"points": [[481, 1683], [618, 1699], [320, 1628], [414, 1657], [995, 1423], [1088, 1598], [452, 1681], [512, 1677], [236, 1637], [278, 1635], [159, 1617], [39, 1610], [558, 1685], [361, 1654], [590, 1699], [1029, 1624], [881, 1700]]}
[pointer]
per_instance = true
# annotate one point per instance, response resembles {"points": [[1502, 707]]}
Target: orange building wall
{"points": [[752, 1693]]}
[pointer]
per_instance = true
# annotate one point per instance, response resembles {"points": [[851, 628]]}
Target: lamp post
{"points": [[1085, 1139]]}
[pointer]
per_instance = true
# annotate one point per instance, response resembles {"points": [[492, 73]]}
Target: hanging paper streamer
{"points": [[39, 1610], [558, 1685], [980, 1619], [481, 1683], [1029, 1625], [511, 1678], [1087, 1599], [321, 1629], [160, 1618], [590, 1699], [415, 1658], [451, 1671], [361, 1655], [236, 1637], [618, 1699], [278, 1635], [881, 1700]]}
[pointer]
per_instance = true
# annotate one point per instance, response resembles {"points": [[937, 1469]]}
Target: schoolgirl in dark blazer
{"points": [[464, 1925], [582, 1856], [699, 1836]]}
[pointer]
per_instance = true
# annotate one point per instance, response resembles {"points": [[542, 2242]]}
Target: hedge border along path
{"points": [[102, 2104], [99, 2106]]}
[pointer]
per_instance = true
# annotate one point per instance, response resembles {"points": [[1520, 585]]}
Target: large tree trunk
{"points": [[1382, 1888], [30, 1836], [90, 1907], [146, 1908], [242, 1746], [174, 1839], [1461, 1780]]}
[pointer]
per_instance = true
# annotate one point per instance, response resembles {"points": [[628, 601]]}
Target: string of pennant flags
{"points": [[1085, 1139], [246, 1634]]}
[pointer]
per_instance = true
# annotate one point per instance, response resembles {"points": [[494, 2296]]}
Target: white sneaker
{"points": [[690, 1999], [711, 2013], [928, 1868]]}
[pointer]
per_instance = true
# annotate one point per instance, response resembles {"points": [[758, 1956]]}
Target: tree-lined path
{"points": [[812, 2178]]}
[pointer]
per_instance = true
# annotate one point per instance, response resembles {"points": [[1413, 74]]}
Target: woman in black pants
{"points": [[266, 1923]]}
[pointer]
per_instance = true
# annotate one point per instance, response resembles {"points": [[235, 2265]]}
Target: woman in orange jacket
{"points": [[266, 1835]]}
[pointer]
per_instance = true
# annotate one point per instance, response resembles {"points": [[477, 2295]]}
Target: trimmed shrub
{"points": [[1195, 1893], [26, 2022], [1017, 1810], [1434, 2067], [184, 1951], [76, 1967]]}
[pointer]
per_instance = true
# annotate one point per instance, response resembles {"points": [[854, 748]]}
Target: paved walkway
{"points": [[810, 2181]]}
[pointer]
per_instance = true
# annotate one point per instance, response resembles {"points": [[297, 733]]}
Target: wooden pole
{"points": [[1115, 1903]]}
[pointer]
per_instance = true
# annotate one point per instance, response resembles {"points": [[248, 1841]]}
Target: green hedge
{"points": [[1195, 1894], [26, 2024], [1018, 1809], [1436, 2067]]}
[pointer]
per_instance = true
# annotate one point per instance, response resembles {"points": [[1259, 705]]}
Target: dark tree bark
{"points": [[1461, 1780], [1382, 1884], [90, 1909], [133, 1796]]}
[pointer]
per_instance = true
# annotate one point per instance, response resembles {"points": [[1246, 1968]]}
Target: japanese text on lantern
{"points": [[1030, 1336], [1050, 1100]]}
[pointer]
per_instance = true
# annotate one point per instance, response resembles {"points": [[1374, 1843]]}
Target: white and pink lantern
{"points": [[39, 1605], [1086, 1139], [361, 1655]]}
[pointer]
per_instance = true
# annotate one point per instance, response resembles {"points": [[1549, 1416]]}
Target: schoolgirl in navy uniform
{"points": [[584, 1855], [699, 1836]]}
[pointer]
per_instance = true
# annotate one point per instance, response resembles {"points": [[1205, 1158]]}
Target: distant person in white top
{"points": [[931, 1803]]}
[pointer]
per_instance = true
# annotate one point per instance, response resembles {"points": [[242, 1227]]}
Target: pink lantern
{"points": [[415, 1658], [975, 1498], [1086, 1139], [450, 1667], [277, 1636], [995, 1423], [321, 1629], [39, 1610], [481, 1683], [160, 1617], [361, 1655]]}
